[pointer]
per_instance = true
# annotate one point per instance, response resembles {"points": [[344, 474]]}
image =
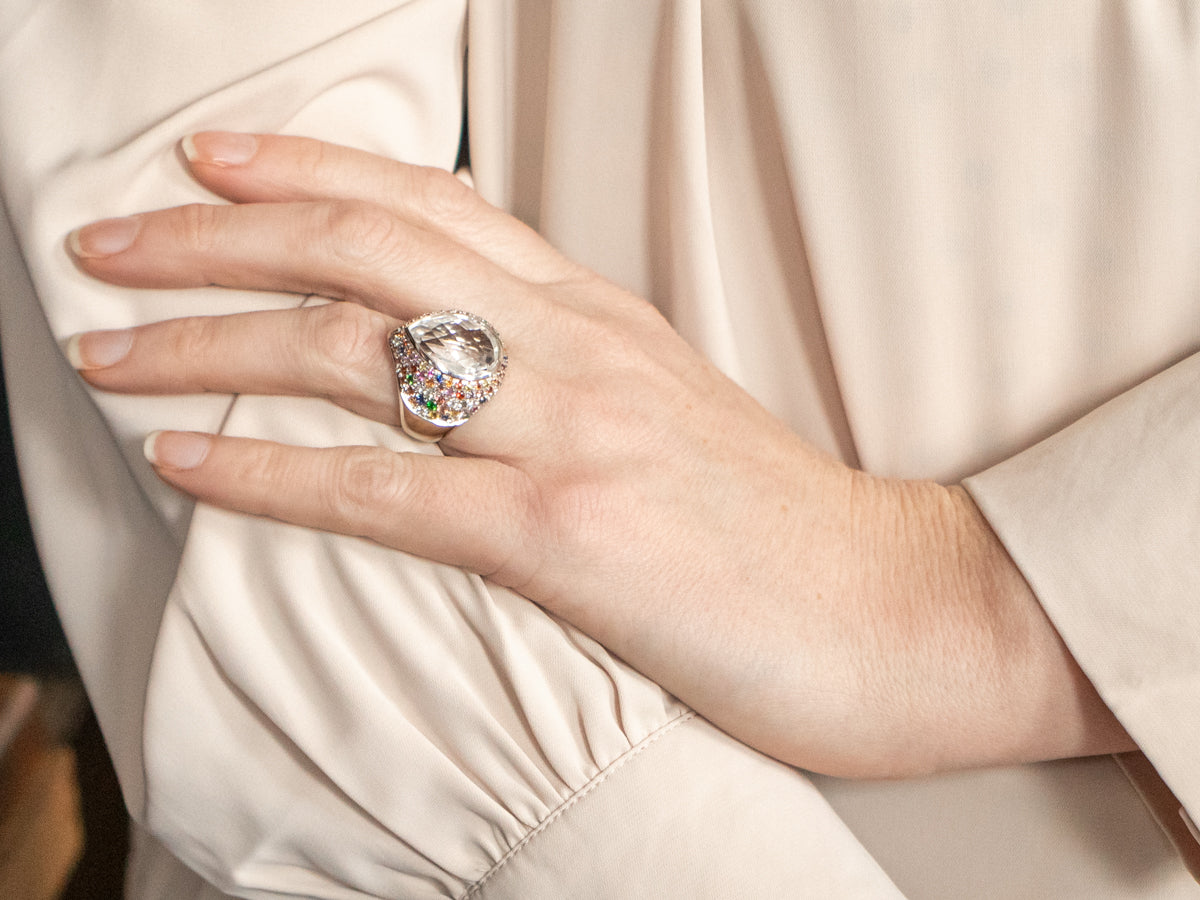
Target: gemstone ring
{"points": [[448, 364]]}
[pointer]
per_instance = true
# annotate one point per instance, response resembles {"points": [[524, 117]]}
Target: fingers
{"points": [[470, 513], [347, 249], [337, 351], [270, 168]]}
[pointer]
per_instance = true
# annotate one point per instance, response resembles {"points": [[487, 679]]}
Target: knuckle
{"points": [[194, 340], [441, 196], [311, 160], [260, 467], [346, 337], [643, 315], [631, 324], [366, 482], [613, 348], [611, 306], [196, 226], [361, 234]]}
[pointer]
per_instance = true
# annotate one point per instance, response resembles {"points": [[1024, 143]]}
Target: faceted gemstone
{"points": [[457, 345]]}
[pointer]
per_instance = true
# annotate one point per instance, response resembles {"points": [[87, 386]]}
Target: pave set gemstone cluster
{"points": [[448, 364]]}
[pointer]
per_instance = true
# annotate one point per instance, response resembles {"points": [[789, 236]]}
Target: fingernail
{"points": [[104, 238], [97, 349], [219, 148], [176, 449]]}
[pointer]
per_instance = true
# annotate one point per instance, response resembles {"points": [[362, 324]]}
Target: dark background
{"points": [[32, 642], [31, 639]]}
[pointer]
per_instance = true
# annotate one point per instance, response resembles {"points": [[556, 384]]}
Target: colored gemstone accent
{"points": [[447, 365]]}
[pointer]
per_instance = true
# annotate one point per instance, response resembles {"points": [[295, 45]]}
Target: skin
{"points": [[849, 624]]}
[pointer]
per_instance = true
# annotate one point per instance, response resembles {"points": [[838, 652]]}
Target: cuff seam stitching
{"points": [[558, 812]]}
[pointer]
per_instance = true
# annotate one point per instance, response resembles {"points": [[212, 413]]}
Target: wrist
{"points": [[974, 673], [1033, 702]]}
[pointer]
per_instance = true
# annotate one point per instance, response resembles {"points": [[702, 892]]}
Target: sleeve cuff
{"points": [[1103, 519]]}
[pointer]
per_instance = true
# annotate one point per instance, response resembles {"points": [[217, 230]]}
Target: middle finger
{"points": [[345, 249]]}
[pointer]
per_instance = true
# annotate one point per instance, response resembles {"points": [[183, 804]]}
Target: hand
{"points": [[841, 622]]}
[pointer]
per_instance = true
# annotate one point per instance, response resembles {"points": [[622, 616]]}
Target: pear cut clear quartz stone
{"points": [[457, 344]]}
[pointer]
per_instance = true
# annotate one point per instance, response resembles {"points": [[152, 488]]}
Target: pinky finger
{"points": [[466, 512]]}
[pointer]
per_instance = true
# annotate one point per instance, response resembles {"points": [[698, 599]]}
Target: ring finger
{"points": [[288, 352], [338, 351]]}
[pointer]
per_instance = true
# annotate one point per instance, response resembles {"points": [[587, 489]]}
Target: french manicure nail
{"points": [[104, 238], [219, 148], [97, 349], [176, 449]]}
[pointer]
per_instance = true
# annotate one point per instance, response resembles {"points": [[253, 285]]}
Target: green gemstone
{"points": [[409, 378], [431, 406]]}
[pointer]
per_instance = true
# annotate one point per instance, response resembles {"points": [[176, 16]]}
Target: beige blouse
{"points": [[930, 236]]}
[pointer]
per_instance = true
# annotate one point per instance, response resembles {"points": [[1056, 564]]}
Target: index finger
{"points": [[257, 168]]}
